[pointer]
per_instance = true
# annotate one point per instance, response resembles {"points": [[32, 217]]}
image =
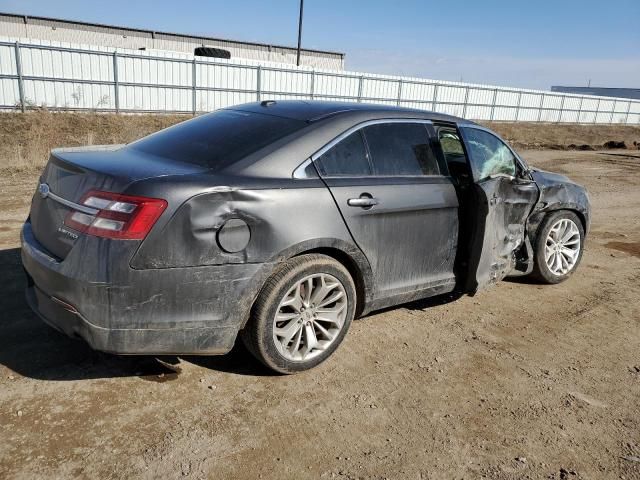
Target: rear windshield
{"points": [[217, 139]]}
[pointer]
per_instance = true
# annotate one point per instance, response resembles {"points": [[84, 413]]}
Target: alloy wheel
{"points": [[310, 317], [562, 247]]}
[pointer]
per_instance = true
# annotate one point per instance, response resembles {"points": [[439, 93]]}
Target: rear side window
{"points": [[400, 149], [217, 139], [453, 152], [450, 143], [346, 158]]}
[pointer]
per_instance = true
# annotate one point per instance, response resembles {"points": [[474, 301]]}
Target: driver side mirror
{"points": [[523, 175], [522, 171]]}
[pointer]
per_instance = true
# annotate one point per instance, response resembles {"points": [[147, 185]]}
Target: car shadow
{"points": [[422, 303], [32, 349], [524, 280], [238, 361]]}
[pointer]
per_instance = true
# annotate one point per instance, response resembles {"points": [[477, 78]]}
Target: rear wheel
{"points": [[302, 314], [559, 247]]}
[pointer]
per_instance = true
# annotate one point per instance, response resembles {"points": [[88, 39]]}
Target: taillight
{"points": [[117, 216]]}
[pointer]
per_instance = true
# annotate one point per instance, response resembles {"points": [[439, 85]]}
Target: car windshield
{"points": [[217, 139]]}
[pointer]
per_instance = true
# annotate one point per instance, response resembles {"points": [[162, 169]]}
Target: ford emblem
{"points": [[43, 190]]}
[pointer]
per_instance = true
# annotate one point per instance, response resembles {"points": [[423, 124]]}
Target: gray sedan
{"points": [[282, 221]]}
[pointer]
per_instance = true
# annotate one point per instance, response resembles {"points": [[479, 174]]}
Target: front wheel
{"points": [[559, 246], [302, 314]]}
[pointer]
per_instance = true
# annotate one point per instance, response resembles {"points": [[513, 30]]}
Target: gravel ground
{"points": [[520, 381]]}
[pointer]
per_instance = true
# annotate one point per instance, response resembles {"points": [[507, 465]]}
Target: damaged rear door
{"points": [[505, 196]]}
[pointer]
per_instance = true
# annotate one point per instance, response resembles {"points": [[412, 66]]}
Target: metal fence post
{"points": [[561, 109], [518, 105], [493, 103], [613, 110], [399, 92], [540, 108], [466, 101], [194, 86], [435, 98], [313, 84], [595, 116], [19, 72], [580, 109], [360, 86], [258, 82], [626, 118], [116, 92]]}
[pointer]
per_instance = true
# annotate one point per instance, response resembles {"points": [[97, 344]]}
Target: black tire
{"points": [[212, 52], [258, 333], [541, 271]]}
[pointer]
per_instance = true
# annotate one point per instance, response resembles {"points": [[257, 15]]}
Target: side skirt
{"points": [[446, 286]]}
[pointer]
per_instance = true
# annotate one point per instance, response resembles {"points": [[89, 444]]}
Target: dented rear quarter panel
{"points": [[278, 218]]}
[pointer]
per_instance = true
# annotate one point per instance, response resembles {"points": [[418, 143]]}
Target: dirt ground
{"points": [[560, 136], [520, 381]]}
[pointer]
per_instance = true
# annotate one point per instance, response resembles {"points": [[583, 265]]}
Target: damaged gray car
{"points": [[280, 222]]}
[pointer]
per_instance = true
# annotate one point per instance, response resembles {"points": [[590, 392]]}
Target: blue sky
{"points": [[516, 43]]}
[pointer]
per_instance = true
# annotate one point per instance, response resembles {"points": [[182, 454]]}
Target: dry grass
{"points": [[26, 139]]}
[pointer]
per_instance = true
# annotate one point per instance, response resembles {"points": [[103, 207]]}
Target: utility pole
{"points": [[300, 31]]}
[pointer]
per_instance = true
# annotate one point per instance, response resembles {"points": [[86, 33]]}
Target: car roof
{"points": [[315, 110], [325, 121]]}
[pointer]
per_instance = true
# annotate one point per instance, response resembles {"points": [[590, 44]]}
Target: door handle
{"points": [[363, 201]]}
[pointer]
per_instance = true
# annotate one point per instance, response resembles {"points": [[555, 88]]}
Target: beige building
{"points": [[52, 29]]}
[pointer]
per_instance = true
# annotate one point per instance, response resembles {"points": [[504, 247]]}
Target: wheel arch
{"points": [[535, 221], [354, 269], [346, 253], [582, 218]]}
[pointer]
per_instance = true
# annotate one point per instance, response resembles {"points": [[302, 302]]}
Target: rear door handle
{"points": [[363, 201]]}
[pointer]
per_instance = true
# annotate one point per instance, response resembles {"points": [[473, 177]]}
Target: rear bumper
{"points": [[130, 341], [94, 294]]}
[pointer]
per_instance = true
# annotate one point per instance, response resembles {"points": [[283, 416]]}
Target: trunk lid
{"points": [[71, 173]]}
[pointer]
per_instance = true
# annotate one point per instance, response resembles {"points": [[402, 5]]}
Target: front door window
{"points": [[489, 155]]}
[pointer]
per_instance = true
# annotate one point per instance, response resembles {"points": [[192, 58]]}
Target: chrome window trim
{"points": [[299, 172], [70, 204], [362, 125]]}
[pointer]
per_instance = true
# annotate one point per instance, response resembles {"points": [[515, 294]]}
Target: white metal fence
{"points": [[72, 77]]}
